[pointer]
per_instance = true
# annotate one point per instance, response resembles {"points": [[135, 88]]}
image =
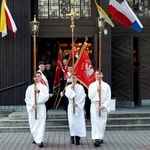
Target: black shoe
{"points": [[78, 143], [41, 144], [33, 142], [77, 140], [101, 141], [72, 140], [97, 143]]}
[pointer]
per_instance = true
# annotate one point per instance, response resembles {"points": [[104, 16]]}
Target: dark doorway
{"points": [[125, 70], [65, 44], [122, 73]]}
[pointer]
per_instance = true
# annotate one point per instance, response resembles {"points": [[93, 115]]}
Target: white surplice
{"points": [[37, 126], [77, 120], [98, 123]]}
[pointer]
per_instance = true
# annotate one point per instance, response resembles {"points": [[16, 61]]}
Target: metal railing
{"points": [[13, 86]]}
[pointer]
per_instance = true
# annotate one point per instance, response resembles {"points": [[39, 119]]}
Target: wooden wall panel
{"points": [[145, 67], [15, 55], [122, 74]]}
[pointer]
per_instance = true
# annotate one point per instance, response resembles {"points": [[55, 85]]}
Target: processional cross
{"points": [[72, 16]]}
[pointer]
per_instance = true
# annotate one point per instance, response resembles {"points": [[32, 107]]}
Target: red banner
{"points": [[73, 52], [84, 69], [58, 70], [65, 72]]}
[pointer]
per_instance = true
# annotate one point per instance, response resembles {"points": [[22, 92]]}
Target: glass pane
{"points": [[43, 9], [53, 9], [86, 8], [64, 8], [140, 7], [57, 9]]}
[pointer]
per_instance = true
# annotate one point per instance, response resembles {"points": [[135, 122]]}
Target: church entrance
{"points": [[48, 48], [125, 71], [130, 70]]}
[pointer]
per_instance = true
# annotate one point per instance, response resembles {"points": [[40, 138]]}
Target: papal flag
{"points": [[6, 20], [103, 14]]}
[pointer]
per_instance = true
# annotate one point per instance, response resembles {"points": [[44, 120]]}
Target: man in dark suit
{"points": [[49, 74], [63, 82]]}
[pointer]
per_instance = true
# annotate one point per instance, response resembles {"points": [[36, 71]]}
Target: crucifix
{"points": [[72, 15]]}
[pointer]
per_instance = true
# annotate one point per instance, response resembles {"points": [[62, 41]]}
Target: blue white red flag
{"points": [[124, 15]]}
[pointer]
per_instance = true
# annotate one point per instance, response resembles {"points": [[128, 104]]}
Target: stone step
{"points": [[57, 121], [24, 115], [88, 128], [62, 115], [4, 113], [129, 127], [128, 115], [26, 128], [126, 121], [5, 122]]}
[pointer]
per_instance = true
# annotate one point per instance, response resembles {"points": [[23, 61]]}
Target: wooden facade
{"points": [[117, 54], [15, 56], [130, 72]]}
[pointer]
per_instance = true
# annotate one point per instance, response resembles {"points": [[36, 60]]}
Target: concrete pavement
{"points": [[113, 140], [60, 140]]}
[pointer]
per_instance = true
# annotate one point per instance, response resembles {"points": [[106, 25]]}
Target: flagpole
{"points": [[82, 49], [60, 96], [72, 26], [56, 98], [101, 26]]}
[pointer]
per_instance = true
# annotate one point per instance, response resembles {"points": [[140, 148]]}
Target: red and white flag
{"points": [[84, 69], [65, 72], [6, 20], [124, 15], [58, 70], [73, 52]]}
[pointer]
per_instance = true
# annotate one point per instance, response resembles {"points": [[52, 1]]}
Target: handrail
{"points": [[13, 86]]}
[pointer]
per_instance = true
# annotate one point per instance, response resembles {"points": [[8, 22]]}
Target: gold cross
{"points": [[72, 15]]}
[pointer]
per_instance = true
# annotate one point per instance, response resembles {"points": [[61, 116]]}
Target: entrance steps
{"points": [[57, 121]]}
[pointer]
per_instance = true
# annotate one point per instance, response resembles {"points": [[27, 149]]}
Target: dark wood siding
{"points": [[144, 70], [15, 56], [122, 74], [106, 57], [145, 67]]}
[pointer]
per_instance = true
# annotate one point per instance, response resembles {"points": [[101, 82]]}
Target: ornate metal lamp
{"points": [[34, 32], [101, 27], [34, 27]]}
